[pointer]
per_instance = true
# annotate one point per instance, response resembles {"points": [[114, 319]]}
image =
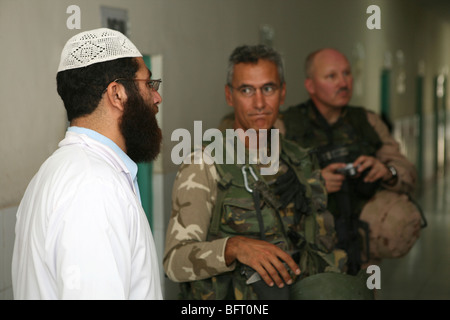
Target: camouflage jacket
{"points": [[194, 253]]}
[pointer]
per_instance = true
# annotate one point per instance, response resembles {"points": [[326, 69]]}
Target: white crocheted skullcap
{"points": [[94, 46]]}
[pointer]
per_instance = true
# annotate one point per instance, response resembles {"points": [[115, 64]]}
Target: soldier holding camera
{"points": [[368, 180]]}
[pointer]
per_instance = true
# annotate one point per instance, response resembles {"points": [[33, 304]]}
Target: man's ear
{"points": [[229, 95], [309, 85], [116, 95]]}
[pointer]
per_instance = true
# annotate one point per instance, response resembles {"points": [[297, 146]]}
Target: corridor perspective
{"points": [[424, 273]]}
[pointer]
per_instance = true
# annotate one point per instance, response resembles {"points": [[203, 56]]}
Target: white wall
{"points": [[194, 38]]}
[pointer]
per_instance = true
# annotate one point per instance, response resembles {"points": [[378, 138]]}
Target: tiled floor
{"points": [[424, 273]]}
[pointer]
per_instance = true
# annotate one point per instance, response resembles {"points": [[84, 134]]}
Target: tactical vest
{"points": [[351, 136], [235, 213], [344, 141]]}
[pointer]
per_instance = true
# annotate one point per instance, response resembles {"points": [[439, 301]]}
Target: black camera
{"points": [[349, 170]]}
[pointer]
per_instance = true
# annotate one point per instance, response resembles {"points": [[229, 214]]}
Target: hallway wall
{"points": [[195, 38]]}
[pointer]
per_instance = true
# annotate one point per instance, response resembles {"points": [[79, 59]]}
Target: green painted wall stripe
{"points": [[145, 171], [436, 126], [420, 136], [385, 92]]}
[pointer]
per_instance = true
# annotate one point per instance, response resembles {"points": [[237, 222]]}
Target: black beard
{"points": [[140, 129]]}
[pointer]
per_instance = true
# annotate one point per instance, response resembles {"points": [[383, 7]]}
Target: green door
{"points": [[144, 175]]}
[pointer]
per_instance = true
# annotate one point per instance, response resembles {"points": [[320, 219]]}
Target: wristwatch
{"points": [[393, 179]]}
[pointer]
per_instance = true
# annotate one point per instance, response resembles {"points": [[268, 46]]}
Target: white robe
{"points": [[81, 232]]}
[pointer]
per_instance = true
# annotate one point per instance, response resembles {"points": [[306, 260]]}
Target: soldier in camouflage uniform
{"points": [[378, 195], [237, 234]]}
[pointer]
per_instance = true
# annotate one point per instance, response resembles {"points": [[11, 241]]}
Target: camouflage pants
{"points": [[394, 222]]}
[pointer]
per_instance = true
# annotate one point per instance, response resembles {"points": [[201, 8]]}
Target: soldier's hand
{"points": [[377, 168], [333, 180], [265, 258]]}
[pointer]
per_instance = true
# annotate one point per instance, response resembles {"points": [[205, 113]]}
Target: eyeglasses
{"points": [[151, 84], [249, 91]]}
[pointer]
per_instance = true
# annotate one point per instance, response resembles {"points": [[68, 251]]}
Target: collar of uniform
{"points": [[130, 164], [320, 119]]}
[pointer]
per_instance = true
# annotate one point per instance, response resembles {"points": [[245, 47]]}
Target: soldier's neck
{"points": [[330, 113]]}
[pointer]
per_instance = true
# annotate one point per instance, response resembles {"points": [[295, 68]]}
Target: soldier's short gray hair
{"points": [[252, 54], [309, 62]]}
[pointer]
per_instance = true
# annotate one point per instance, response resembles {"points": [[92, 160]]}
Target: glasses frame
{"points": [[253, 90], [153, 84]]}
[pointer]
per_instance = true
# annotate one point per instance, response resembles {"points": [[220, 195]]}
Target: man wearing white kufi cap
{"points": [[81, 231]]}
